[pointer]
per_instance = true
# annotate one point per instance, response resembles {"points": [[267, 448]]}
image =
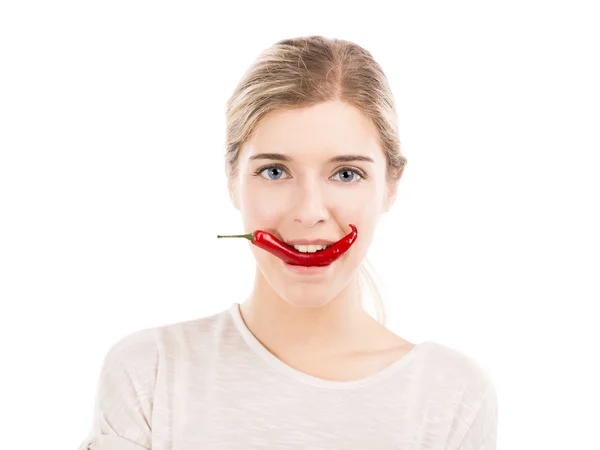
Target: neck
{"points": [[340, 326]]}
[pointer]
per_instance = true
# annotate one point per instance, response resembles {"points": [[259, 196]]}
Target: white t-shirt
{"points": [[210, 384]]}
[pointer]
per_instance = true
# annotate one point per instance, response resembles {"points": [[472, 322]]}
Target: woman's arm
{"points": [[124, 400], [482, 433]]}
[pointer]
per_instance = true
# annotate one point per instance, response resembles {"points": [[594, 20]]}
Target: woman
{"points": [[313, 158]]}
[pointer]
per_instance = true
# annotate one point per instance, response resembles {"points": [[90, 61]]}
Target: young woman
{"points": [[313, 159]]}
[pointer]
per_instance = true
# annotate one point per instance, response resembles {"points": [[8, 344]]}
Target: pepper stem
{"points": [[248, 236]]}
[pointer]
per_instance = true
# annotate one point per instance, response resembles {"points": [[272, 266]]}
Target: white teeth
{"points": [[310, 248]]}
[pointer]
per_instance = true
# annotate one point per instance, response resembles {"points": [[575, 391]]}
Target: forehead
{"points": [[322, 130]]}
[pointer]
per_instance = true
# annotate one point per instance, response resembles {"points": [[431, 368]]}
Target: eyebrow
{"points": [[335, 159]]}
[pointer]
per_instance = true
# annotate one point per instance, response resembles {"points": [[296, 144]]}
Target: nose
{"points": [[310, 206]]}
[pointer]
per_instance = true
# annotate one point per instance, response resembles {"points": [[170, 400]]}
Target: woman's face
{"points": [[290, 185]]}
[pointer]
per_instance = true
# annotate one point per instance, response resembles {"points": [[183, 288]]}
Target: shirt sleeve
{"points": [[482, 433], [122, 418]]}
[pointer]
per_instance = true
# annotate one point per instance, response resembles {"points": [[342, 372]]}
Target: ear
{"points": [[233, 193], [392, 191]]}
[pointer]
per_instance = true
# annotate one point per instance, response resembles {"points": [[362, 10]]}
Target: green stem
{"points": [[248, 236]]}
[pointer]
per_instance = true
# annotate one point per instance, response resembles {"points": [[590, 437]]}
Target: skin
{"points": [[315, 323]]}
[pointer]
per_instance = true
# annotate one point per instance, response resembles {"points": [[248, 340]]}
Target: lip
{"points": [[308, 270]]}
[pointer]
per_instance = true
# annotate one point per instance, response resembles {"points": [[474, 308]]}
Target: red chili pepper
{"points": [[290, 255]]}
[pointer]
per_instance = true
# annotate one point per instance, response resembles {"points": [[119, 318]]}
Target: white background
{"points": [[112, 191]]}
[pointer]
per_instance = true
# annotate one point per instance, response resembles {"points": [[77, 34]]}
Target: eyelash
{"points": [[359, 172]]}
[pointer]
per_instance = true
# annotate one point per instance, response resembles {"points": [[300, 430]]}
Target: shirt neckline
{"points": [[297, 375]]}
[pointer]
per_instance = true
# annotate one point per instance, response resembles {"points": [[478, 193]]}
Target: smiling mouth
{"points": [[303, 255], [309, 248]]}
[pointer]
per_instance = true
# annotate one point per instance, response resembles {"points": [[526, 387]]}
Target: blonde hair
{"points": [[302, 72]]}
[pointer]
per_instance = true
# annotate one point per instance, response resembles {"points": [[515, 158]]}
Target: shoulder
{"points": [[131, 361], [456, 378], [452, 365], [143, 349], [134, 372], [473, 388], [475, 403], [134, 344]]}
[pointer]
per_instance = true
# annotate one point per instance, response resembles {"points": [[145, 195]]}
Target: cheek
{"points": [[261, 206], [361, 208], [358, 205]]}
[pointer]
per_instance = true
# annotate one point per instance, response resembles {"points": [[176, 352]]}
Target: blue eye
{"points": [[348, 175], [276, 172], [273, 172]]}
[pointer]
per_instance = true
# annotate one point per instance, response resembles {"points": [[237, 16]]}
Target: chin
{"points": [[306, 299], [307, 287]]}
